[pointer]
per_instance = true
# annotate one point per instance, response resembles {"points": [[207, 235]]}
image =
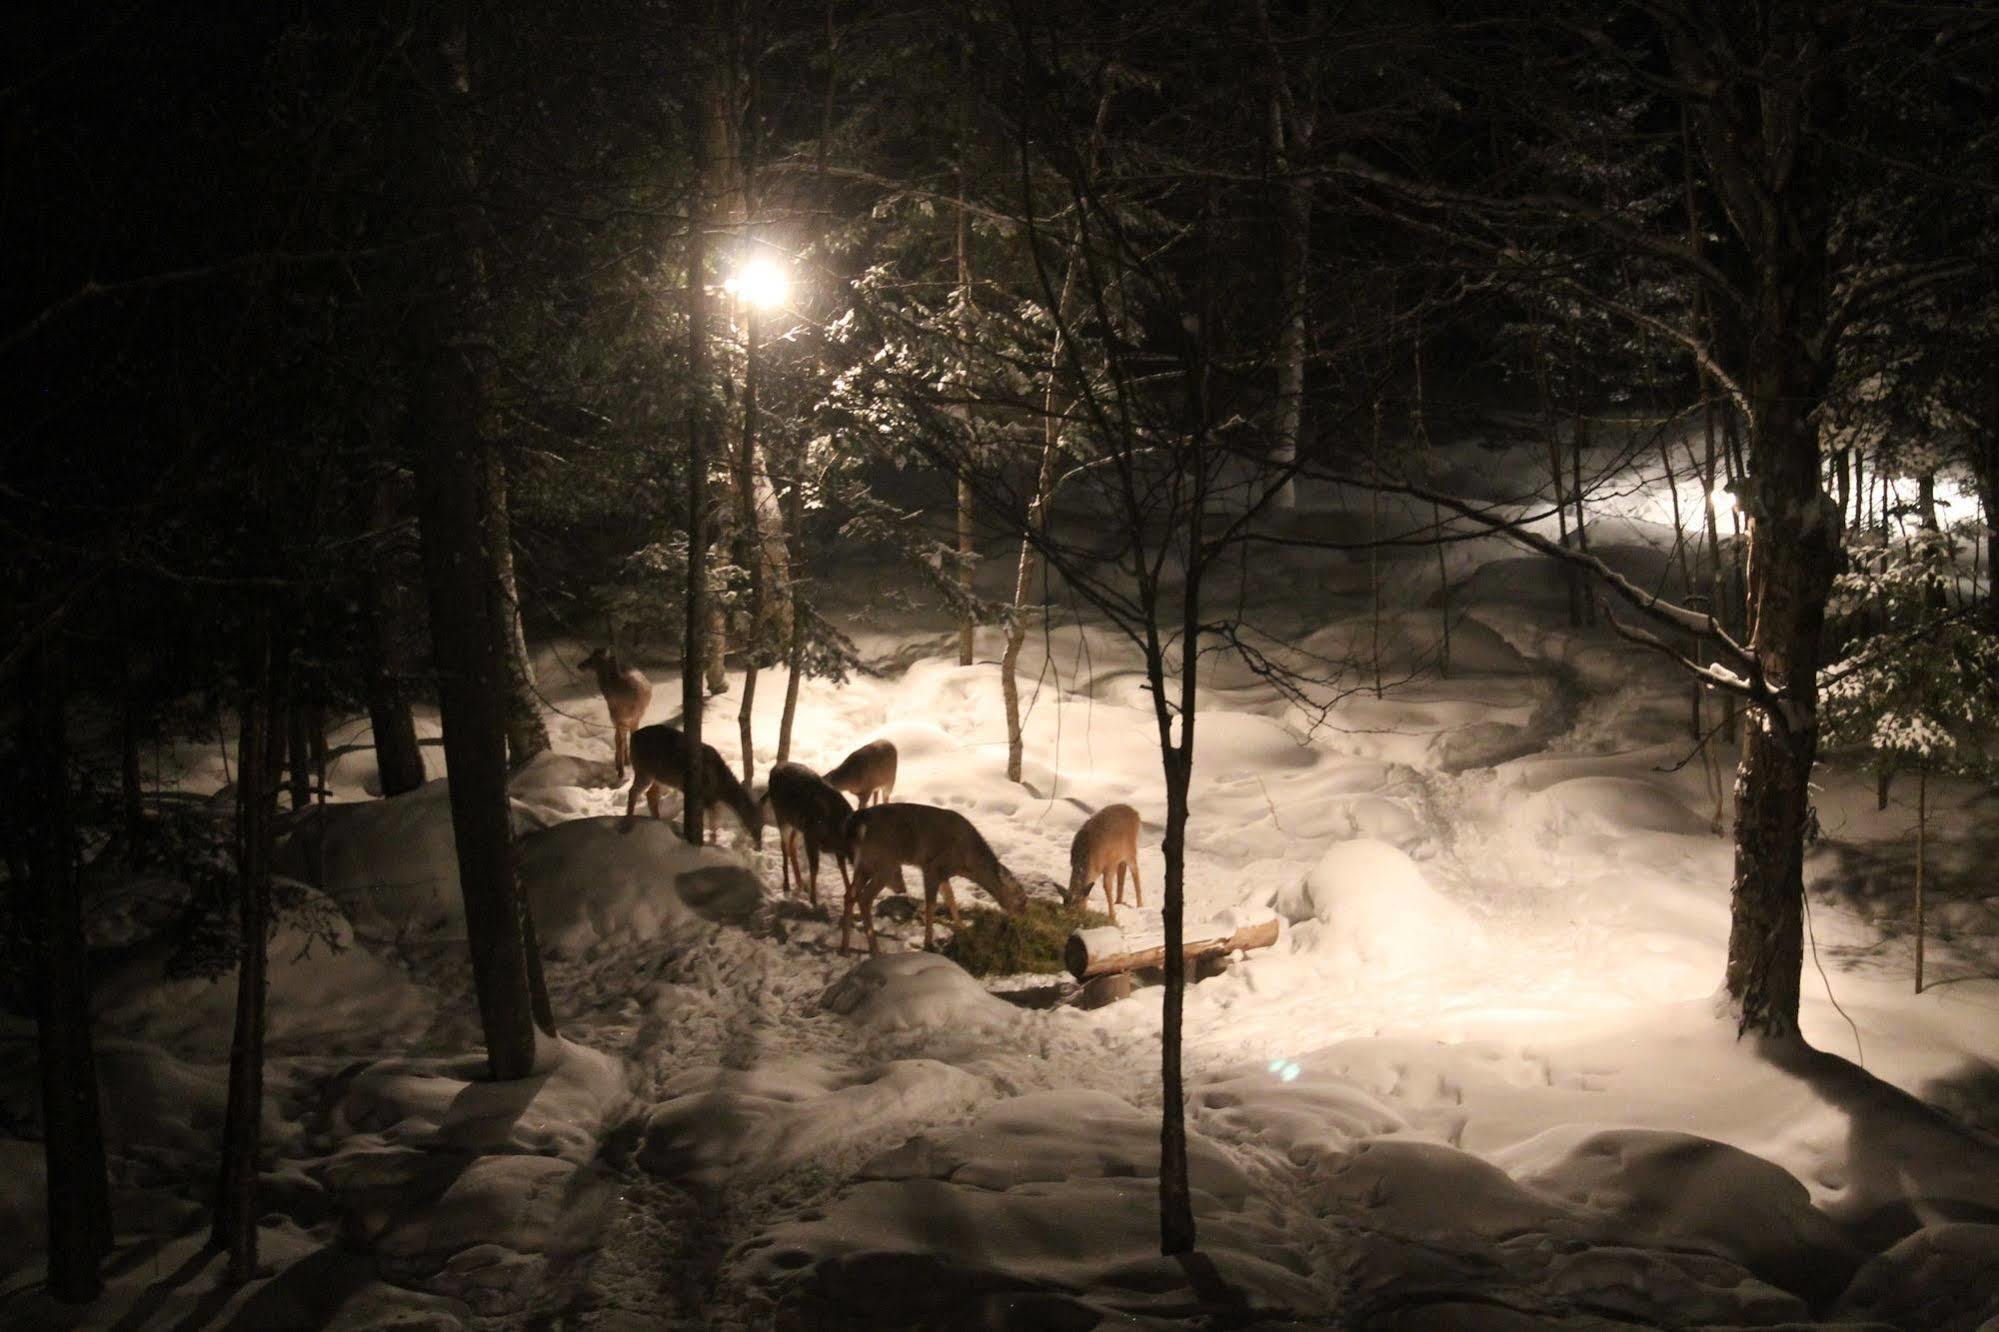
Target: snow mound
{"points": [[600, 880], [22, 1213], [448, 1104], [929, 1253], [1059, 1135], [1609, 805], [1367, 904], [391, 864], [325, 991], [903, 991], [489, 1237], [1429, 1216], [786, 1112], [1694, 1192], [1301, 1112], [1940, 1277]]}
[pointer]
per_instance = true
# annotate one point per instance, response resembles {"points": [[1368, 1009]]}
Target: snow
{"points": [[1479, 1081], [1366, 908]]}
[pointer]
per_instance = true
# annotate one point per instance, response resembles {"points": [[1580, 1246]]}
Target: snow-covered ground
{"points": [[1477, 1083]]}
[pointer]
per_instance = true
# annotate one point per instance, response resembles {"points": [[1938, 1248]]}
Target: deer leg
{"points": [[930, 886], [621, 742], [1137, 889], [784, 859], [632, 800], [951, 901], [1110, 907], [812, 857], [1120, 881], [847, 909]]}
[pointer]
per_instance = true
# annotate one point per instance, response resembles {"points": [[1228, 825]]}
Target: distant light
{"points": [[1287, 1070], [1723, 502], [759, 283]]}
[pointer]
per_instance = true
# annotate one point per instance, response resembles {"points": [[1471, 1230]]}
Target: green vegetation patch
{"points": [[992, 943]]}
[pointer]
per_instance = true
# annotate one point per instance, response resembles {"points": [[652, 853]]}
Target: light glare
{"points": [[759, 283]]}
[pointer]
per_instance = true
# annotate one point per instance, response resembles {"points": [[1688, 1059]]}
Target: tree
{"points": [[1782, 106], [474, 619]]}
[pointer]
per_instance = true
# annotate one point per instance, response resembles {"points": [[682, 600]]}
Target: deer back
{"points": [[868, 768], [941, 842], [800, 798]]}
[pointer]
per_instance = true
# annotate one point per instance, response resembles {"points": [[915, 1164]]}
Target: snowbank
{"points": [[1042, 1210], [902, 991], [1367, 905], [325, 992], [605, 880], [1610, 806], [390, 864], [786, 1112]]}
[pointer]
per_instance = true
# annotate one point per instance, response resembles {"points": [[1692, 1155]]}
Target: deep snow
{"points": [[1477, 1083]]}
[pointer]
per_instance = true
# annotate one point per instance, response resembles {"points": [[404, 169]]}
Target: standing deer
{"points": [[659, 758], [867, 774], [1107, 840], [627, 694], [941, 843], [804, 807]]}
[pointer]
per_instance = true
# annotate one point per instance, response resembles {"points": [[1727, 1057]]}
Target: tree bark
{"points": [[261, 744], [700, 617], [79, 1196], [474, 618], [527, 732], [398, 760], [751, 544], [1793, 528]]}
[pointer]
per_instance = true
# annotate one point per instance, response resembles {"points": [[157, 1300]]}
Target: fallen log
{"points": [[1111, 948]]}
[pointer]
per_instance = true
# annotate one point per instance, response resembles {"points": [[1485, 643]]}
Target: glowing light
{"points": [[1287, 1070], [1723, 502], [759, 283]]}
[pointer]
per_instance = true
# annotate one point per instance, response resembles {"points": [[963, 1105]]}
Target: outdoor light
{"points": [[759, 283], [1723, 502]]}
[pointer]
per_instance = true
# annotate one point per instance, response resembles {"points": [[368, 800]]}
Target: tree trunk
{"points": [[1044, 486], [1578, 443], [700, 617], [131, 780], [261, 744], [474, 617], [298, 752], [79, 1197], [968, 623], [398, 759], [1793, 539], [527, 732], [1922, 836], [751, 544], [1294, 225]]}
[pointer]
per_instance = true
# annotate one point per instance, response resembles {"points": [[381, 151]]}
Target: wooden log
{"points": [[1111, 948]]}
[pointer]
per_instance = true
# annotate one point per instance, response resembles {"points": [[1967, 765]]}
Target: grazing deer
{"points": [[627, 694], [804, 807], [659, 758], [941, 843], [867, 774], [1107, 840]]}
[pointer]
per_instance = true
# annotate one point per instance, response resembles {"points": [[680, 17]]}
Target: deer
{"points": [[940, 842], [867, 774], [808, 810], [659, 758], [1107, 840], [627, 694]]}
